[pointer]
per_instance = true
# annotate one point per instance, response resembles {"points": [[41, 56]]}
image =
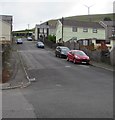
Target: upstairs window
{"points": [[94, 30], [85, 29], [74, 29]]}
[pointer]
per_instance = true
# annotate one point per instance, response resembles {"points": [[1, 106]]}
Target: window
{"points": [[94, 30], [113, 29], [74, 29], [85, 29], [85, 42]]}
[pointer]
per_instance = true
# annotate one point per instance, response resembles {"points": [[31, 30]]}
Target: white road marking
{"points": [[58, 85], [85, 66], [67, 66]]}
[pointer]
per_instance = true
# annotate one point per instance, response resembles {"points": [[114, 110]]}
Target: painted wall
{"points": [[68, 34], [36, 33], [58, 31], [5, 32]]}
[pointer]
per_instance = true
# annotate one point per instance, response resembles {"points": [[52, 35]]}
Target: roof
{"points": [[109, 23], [6, 18], [81, 23]]}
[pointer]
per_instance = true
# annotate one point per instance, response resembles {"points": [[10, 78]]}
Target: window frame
{"points": [[95, 30], [74, 29], [85, 29]]}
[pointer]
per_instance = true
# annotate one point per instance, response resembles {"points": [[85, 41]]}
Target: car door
{"points": [[70, 55], [58, 51]]}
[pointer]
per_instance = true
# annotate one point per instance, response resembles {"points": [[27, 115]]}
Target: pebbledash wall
{"points": [[68, 34], [5, 34], [5, 29]]}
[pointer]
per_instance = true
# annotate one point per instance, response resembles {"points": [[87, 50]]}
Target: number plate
{"points": [[83, 62]]}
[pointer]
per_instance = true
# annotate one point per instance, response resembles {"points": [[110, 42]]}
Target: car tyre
{"points": [[67, 59], [74, 61]]}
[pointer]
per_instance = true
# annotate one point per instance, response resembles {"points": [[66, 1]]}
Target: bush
{"points": [[52, 38]]}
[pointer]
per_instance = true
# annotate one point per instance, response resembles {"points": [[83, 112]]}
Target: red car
{"points": [[78, 56]]}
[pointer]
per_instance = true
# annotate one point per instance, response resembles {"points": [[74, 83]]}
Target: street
{"points": [[63, 89]]}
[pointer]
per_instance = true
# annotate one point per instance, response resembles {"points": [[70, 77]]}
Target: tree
{"points": [[107, 19], [52, 38]]}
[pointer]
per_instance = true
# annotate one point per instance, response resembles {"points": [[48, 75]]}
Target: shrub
{"points": [[52, 38]]}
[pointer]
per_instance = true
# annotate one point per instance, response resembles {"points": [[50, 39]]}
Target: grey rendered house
{"points": [[80, 30], [109, 31]]}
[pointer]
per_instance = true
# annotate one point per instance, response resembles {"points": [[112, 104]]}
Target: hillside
{"points": [[93, 18]]}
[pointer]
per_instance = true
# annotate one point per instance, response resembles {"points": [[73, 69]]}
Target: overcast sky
{"points": [[34, 12]]}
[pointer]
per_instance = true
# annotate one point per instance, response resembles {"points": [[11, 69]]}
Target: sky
{"points": [[27, 13]]}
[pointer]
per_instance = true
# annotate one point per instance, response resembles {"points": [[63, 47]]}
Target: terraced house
{"points": [[85, 32]]}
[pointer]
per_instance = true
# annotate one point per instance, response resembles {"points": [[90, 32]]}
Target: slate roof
{"points": [[109, 23], [81, 24]]}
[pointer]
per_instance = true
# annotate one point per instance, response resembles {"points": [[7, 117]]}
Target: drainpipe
{"points": [[62, 28]]}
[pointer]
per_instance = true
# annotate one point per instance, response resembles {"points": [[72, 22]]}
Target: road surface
{"points": [[63, 89]]}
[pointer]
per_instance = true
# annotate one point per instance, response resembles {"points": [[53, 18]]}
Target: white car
{"points": [[19, 41], [29, 39], [40, 44]]}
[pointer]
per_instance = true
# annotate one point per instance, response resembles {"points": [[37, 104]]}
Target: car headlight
{"points": [[77, 57], [62, 52]]}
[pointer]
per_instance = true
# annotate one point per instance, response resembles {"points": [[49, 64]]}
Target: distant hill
{"points": [[92, 18]]}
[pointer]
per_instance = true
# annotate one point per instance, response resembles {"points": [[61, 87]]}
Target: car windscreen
{"points": [[80, 53], [65, 49], [40, 43], [19, 40]]}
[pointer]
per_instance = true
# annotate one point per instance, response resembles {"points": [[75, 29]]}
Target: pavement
{"points": [[19, 77], [22, 81]]}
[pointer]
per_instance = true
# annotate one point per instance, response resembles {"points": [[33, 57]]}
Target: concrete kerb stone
{"points": [[29, 79], [101, 66]]}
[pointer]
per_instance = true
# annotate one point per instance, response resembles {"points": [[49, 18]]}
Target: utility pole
{"points": [[28, 29], [62, 28]]}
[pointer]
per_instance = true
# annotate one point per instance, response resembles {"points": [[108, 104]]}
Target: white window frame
{"points": [[74, 29], [95, 30], [85, 29]]}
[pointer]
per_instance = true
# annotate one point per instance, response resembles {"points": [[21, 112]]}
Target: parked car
{"points": [[29, 38], [40, 45], [61, 51], [78, 56], [19, 41]]}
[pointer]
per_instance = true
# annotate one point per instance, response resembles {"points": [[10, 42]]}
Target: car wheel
{"points": [[56, 55], [74, 61]]}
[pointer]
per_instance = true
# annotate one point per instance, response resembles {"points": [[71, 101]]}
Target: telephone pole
{"points": [[28, 29]]}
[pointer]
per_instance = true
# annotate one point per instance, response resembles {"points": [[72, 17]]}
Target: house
{"points": [[109, 32], [5, 29], [85, 33], [43, 30], [81, 30]]}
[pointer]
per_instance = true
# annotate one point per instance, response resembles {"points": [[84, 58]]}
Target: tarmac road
{"points": [[63, 89]]}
